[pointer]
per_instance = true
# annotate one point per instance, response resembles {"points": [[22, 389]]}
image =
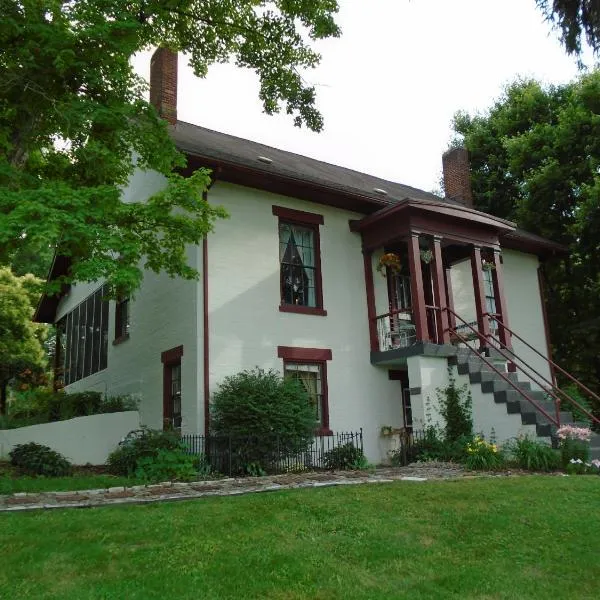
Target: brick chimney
{"points": [[163, 83], [457, 182]]}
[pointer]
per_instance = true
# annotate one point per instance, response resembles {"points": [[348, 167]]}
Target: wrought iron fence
{"points": [[410, 446], [236, 455]]}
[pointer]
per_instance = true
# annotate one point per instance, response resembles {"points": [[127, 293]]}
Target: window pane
{"points": [[89, 335], [96, 337], [310, 377], [82, 333], [104, 332], [74, 344], [297, 257], [68, 346]]}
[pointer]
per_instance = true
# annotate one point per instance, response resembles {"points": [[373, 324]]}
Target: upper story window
{"points": [[83, 338], [300, 261], [122, 319]]}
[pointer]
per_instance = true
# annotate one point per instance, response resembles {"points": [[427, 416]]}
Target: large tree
{"points": [[578, 21], [535, 159], [72, 114]]}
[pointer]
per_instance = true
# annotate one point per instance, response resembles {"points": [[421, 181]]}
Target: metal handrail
{"points": [[554, 365], [554, 420]]}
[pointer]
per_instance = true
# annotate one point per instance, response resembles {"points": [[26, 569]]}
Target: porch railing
{"points": [[244, 455], [395, 329]]}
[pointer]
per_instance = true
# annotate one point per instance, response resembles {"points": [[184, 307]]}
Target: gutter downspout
{"points": [[205, 331]]}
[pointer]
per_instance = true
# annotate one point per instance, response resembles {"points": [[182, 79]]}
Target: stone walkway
{"points": [[167, 491]]}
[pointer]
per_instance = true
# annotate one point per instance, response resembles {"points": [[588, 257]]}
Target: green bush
{"points": [[265, 417], [532, 455], [455, 407], [482, 455], [113, 404], [35, 459], [347, 456], [139, 444], [167, 465]]}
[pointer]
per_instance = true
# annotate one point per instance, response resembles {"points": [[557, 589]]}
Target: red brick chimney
{"points": [[163, 83], [457, 181]]}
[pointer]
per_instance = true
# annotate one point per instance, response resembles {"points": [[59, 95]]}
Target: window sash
{"points": [[311, 377]]}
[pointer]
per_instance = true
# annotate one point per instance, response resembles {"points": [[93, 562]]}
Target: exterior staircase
{"points": [[501, 392]]}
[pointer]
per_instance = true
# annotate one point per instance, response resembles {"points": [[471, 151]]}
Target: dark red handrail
{"points": [[554, 420], [565, 373]]}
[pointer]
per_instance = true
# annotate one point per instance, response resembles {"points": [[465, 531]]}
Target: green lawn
{"points": [[11, 482], [528, 537]]}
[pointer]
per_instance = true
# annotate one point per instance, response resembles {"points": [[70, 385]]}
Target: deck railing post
{"points": [[480, 307], [416, 288]]}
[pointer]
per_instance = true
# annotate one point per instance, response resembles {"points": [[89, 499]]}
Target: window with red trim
{"points": [[312, 376], [300, 261]]}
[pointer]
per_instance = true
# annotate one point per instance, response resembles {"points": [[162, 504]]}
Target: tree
{"points": [[22, 356], [72, 114], [577, 20], [535, 159]]}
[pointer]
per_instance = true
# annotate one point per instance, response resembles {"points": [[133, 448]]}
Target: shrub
{"points": [[578, 415], [114, 404], [455, 407], [482, 455], [533, 455], [139, 444], [167, 465], [347, 456], [264, 417], [574, 443], [35, 459]]}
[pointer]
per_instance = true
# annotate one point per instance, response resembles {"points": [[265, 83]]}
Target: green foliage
{"points": [[455, 407], [532, 455], [167, 465], [139, 444], [346, 456], [535, 157], [433, 445], [35, 459], [573, 450], [72, 113], [483, 456], [22, 357], [578, 21], [43, 405], [579, 416], [267, 417]]}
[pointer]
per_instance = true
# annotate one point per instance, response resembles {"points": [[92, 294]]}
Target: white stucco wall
{"points": [[525, 314], [163, 314], [82, 440], [246, 325], [490, 419], [521, 290]]}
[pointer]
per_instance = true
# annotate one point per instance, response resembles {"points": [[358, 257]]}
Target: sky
{"points": [[390, 85]]}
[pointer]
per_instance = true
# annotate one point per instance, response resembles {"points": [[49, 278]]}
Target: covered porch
{"points": [[422, 260]]}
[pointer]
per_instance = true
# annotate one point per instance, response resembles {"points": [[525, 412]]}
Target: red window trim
{"points": [[324, 429], [312, 221], [298, 216], [171, 356], [293, 353]]}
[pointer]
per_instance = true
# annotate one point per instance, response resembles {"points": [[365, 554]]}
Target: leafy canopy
{"points": [[72, 114], [535, 159], [578, 20]]}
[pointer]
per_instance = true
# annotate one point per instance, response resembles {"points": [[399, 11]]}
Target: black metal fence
{"points": [[411, 445], [252, 455]]}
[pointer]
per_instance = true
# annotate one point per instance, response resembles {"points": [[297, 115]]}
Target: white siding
{"points": [[246, 325], [164, 314]]}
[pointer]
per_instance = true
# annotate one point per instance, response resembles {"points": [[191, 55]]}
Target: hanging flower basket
{"points": [[426, 256], [488, 266], [390, 261]]}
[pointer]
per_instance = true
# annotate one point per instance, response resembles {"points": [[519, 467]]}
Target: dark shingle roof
{"points": [[227, 148]]}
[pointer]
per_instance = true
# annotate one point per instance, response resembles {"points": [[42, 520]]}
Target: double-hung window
{"points": [[300, 261]]}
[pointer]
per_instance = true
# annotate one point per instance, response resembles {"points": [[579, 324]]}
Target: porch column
{"points": [[482, 320], [439, 291], [370, 289], [501, 308], [417, 292]]}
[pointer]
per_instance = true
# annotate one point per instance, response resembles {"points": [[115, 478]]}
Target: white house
{"points": [[291, 282]]}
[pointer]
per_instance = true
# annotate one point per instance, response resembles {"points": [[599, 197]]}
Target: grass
{"points": [[501, 538], [12, 482]]}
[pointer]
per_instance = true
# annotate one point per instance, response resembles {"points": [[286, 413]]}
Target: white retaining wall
{"points": [[82, 440]]}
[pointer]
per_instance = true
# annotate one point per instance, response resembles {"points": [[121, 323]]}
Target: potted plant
{"points": [[389, 261]]}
